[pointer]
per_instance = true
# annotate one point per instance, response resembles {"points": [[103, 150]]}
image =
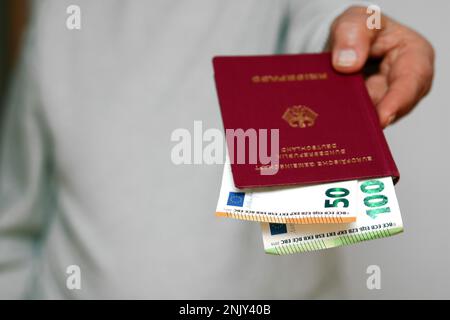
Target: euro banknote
{"points": [[314, 204], [378, 216]]}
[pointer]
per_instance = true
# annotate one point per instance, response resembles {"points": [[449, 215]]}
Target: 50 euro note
{"points": [[378, 216], [318, 204]]}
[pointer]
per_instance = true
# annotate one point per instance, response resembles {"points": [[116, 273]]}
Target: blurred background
{"points": [[415, 264]]}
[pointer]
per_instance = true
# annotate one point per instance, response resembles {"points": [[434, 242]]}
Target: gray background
{"points": [[416, 264]]}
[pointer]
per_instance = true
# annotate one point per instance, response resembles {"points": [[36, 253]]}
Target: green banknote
{"points": [[378, 216]]}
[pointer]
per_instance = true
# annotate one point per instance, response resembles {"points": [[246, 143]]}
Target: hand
{"points": [[407, 61]]}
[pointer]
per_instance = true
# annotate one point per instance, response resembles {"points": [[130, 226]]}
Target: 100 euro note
{"points": [[378, 216], [321, 203]]}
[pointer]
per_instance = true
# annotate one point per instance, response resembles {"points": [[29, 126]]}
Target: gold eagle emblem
{"points": [[300, 116]]}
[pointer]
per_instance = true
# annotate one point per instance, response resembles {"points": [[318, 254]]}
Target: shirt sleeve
{"points": [[309, 23], [23, 182]]}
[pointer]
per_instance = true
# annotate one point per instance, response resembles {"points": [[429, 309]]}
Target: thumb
{"points": [[351, 40]]}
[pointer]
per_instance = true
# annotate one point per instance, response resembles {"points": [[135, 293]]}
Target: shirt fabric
{"points": [[86, 176]]}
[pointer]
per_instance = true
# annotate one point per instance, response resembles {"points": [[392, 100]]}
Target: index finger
{"points": [[409, 79]]}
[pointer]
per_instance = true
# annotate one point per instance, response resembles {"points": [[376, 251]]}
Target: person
{"points": [[86, 180]]}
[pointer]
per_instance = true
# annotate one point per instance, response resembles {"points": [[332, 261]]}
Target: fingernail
{"points": [[390, 120], [346, 57]]}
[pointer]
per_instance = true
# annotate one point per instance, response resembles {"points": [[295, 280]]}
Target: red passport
{"points": [[328, 128]]}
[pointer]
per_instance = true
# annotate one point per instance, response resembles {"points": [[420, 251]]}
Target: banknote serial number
{"points": [[362, 229]]}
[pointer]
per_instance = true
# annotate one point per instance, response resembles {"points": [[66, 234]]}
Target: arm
{"points": [[23, 182]]}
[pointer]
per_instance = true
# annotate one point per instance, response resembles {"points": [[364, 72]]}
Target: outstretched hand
{"points": [[407, 61]]}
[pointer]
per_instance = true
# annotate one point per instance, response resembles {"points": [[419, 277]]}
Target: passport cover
{"points": [[328, 127]]}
